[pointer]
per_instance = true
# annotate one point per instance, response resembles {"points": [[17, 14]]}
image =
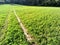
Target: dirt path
{"points": [[27, 35]]}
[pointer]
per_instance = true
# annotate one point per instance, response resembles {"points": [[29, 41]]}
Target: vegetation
{"points": [[12, 34], [3, 15], [33, 2], [43, 23]]}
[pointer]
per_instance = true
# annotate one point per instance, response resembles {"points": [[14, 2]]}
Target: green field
{"points": [[43, 23], [12, 34]]}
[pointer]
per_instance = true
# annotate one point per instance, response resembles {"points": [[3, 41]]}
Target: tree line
{"points": [[35, 2], [38, 2]]}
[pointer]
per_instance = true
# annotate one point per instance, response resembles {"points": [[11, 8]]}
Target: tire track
{"points": [[4, 29], [27, 35]]}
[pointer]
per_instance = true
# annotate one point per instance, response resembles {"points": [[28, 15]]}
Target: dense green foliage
{"points": [[43, 23], [12, 34], [33, 2], [37, 2], [3, 15]]}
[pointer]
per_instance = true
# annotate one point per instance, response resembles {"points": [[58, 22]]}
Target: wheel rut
{"points": [[27, 35], [4, 29]]}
